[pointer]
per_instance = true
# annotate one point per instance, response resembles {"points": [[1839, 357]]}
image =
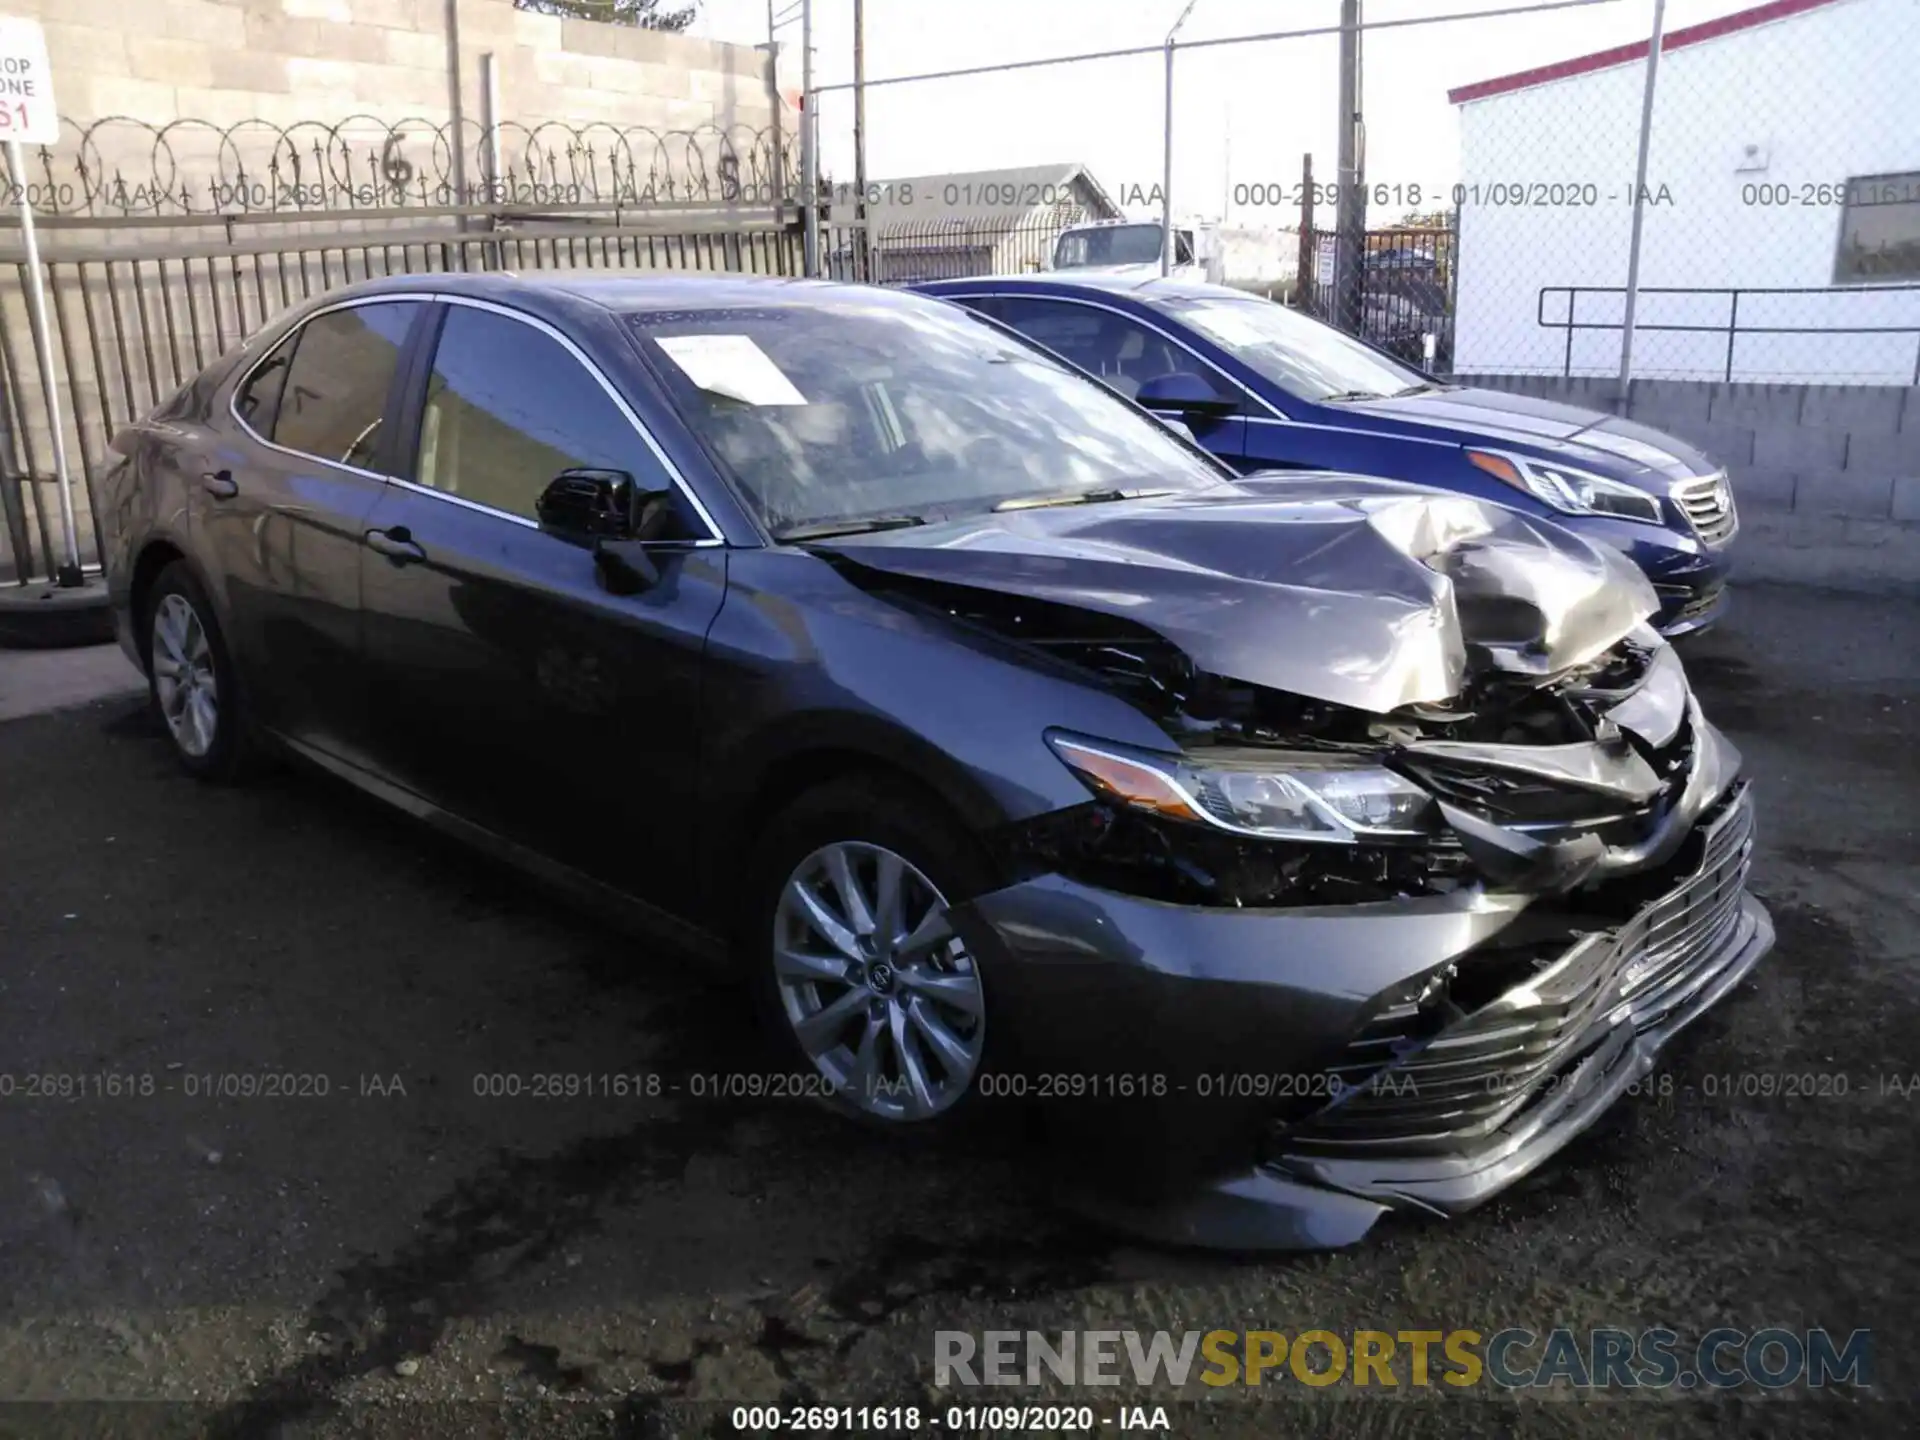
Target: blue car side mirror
{"points": [[1184, 393]]}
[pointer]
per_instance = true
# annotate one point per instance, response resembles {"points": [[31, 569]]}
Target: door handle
{"points": [[396, 544], [220, 484]]}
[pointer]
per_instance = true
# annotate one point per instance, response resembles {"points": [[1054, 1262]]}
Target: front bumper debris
{"points": [[1356, 1108]]}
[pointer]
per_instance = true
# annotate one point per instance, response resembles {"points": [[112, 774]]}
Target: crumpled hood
{"points": [[1366, 593]]}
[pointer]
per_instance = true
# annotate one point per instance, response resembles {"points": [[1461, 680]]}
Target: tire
{"points": [[928, 994], [191, 681]]}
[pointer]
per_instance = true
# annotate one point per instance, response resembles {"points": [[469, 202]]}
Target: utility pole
{"points": [[778, 179], [809, 141], [1350, 223], [1166, 159], [1639, 206], [860, 137]]}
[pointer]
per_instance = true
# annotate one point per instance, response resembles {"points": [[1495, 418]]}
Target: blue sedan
{"points": [[1265, 387]]}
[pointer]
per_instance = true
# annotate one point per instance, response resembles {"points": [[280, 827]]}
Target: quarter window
{"points": [[335, 392], [508, 408], [258, 400]]}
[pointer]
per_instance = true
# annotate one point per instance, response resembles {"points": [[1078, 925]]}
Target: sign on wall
{"points": [[27, 112]]}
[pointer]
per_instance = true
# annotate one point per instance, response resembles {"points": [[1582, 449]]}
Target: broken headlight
{"points": [[1276, 795], [1576, 492]]}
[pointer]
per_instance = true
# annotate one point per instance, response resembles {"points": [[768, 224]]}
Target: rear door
{"points": [[280, 508], [507, 686]]}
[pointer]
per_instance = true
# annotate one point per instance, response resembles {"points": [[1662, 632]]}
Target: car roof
{"points": [[1153, 288], [626, 292]]}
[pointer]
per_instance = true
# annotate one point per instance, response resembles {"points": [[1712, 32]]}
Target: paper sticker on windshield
{"points": [[732, 365]]}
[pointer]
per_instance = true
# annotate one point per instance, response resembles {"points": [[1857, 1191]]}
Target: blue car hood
{"points": [[1366, 593], [1606, 444]]}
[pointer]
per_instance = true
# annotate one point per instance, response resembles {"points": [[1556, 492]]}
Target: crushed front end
{"points": [[1411, 1019], [1425, 850]]}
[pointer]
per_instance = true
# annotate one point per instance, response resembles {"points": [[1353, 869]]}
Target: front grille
{"points": [[1707, 502], [1476, 1074]]}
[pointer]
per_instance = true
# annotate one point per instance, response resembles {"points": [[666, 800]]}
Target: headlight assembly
{"points": [[1279, 795], [1575, 492]]}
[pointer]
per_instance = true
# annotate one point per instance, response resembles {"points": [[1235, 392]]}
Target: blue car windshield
{"points": [[1297, 353], [833, 411]]}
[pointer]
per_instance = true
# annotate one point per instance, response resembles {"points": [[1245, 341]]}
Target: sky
{"points": [[1243, 115]]}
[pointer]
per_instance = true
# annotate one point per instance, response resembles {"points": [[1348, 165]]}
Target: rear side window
{"points": [[1122, 352], [335, 393], [258, 398]]}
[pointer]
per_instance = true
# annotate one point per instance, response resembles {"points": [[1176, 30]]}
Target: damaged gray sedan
{"points": [[1305, 846]]}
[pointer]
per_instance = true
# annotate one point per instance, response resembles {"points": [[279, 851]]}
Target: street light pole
{"points": [[1349, 224], [809, 141], [1166, 159], [860, 137], [1639, 203]]}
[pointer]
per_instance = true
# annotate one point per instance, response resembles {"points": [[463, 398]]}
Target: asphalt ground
{"points": [[254, 1180]]}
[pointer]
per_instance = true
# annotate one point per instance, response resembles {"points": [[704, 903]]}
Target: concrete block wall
{"points": [[1832, 450], [287, 61]]}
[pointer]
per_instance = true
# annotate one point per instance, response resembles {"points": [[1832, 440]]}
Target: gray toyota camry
{"points": [[1302, 846]]}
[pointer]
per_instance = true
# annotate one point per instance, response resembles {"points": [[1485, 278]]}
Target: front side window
{"points": [[1124, 353], [508, 407], [1300, 355], [854, 409], [335, 392]]}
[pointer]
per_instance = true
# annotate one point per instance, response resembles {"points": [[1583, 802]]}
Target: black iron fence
{"points": [[1406, 293], [135, 312]]}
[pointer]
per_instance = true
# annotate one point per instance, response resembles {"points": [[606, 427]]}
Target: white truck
{"points": [[1265, 262]]}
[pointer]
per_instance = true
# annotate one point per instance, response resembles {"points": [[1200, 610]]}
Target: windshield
{"points": [[841, 411], [1299, 354], [1110, 245]]}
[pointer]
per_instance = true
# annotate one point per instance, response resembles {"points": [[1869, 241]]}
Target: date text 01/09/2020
{"points": [[966, 1419]]}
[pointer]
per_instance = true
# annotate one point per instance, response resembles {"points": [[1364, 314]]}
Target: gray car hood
{"points": [[1365, 593]]}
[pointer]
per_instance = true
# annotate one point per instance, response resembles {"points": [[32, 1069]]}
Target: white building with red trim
{"points": [[1784, 164]]}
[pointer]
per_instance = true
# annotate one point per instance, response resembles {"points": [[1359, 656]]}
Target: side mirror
{"points": [[583, 506], [1184, 394]]}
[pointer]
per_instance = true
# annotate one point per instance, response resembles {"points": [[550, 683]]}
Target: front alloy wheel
{"points": [[184, 679], [880, 992]]}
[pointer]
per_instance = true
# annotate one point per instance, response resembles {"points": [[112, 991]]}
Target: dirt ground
{"points": [[404, 1254]]}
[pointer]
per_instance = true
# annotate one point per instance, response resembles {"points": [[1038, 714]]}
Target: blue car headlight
{"points": [[1574, 492]]}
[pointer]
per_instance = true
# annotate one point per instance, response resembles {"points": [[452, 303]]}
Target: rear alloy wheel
{"points": [[190, 676], [184, 683], [876, 988]]}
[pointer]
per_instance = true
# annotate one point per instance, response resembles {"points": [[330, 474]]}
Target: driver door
{"points": [[509, 686]]}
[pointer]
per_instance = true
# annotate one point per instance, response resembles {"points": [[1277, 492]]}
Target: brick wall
{"points": [[1815, 450]]}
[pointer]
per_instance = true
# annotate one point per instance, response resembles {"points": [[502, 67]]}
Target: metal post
{"points": [[1166, 158], [1350, 208], [456, 122], [67, 574], [490, 119], [860, 137], [778, 179], [1639, 198], [809, 140]]}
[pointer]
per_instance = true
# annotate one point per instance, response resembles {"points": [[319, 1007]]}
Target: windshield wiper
{"points": [[822, 529], [1078, 497], [1422, 388], [1340, 395]]}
